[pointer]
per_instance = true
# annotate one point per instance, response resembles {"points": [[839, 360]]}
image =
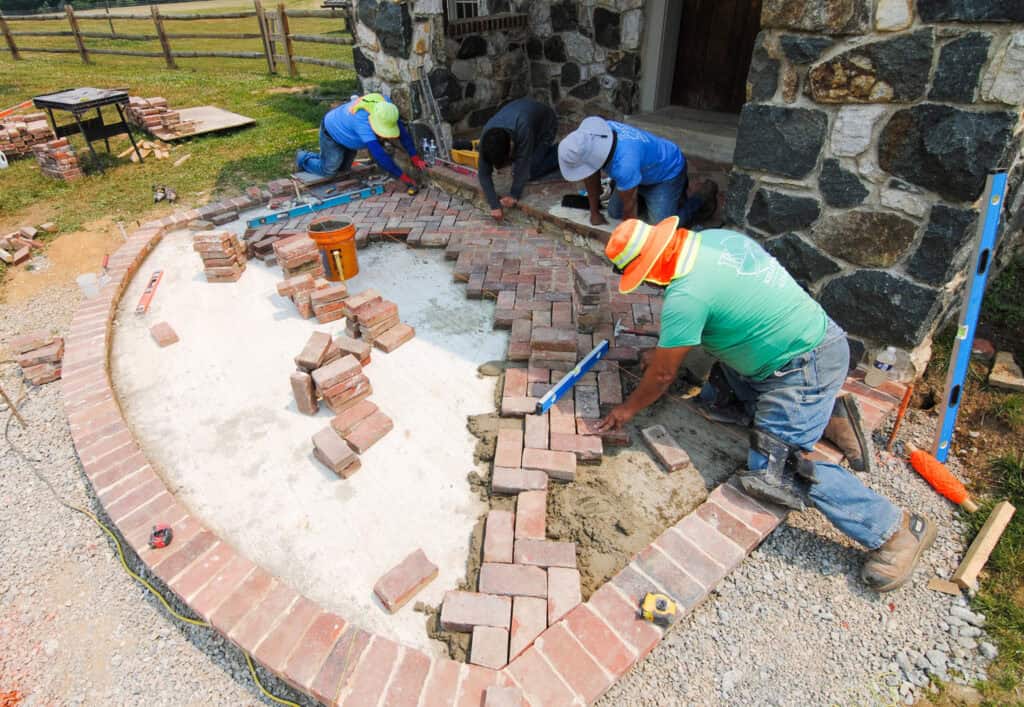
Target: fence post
{"points": [[106, 4], [164, 44], [73, 21], [282, 21], [10, 39], [268, 49]]}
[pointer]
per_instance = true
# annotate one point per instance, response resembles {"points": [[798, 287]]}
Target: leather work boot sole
{"points": [[892, 565], [762, 486], [846, 430]]}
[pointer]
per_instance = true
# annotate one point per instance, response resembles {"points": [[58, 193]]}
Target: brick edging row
{"points": [[322, 654]]}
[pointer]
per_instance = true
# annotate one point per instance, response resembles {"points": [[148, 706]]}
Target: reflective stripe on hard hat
{"points": [[633, 247]]}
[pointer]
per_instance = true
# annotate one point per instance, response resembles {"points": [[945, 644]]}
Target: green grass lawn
{"points": [[219, 163]]}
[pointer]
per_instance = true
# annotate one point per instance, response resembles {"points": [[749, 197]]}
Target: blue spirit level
{"points": [[569, 379]]}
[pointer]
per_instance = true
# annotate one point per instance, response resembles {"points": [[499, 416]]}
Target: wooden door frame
{"points": [[663, 19]]}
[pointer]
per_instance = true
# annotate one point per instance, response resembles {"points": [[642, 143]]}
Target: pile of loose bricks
{"points": [[154, 114], [222, 254], [39, 354], [16, 248], [57, 159], [18, 133]]}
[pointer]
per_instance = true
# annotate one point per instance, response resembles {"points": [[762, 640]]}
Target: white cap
{"points": [[585, 150]]}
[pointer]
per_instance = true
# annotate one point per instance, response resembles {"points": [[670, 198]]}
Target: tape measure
{"points": [[160, 536], [658, 609]]}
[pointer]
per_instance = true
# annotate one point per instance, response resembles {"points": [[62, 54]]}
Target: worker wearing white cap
{"points": [[649, 173], [361, 123]]}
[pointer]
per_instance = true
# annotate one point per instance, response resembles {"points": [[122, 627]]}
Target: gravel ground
{"points": [[792, 626]]}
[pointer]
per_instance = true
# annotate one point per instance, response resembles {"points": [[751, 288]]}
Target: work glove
{"points": [[408, 180], [418, 162]]}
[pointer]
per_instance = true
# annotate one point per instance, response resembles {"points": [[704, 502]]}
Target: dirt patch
{"points": [[485, 429], [286, 89], [62, 260], [32, 215]]}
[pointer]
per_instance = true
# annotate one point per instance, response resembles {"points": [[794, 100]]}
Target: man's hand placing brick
{"points": [[509, 202], [418, 162]]}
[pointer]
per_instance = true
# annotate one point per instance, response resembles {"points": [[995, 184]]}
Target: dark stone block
{"points": [[626, 97], [570, 74], [839, 187], [554, 49], [392, 24], [783, 141], [896, 70], [447, 92], [867, 238], [880, 306], [534, 48], [736, 197], [801, 49], [971, 10], [960, 65], [470, 90], [472, 46], [588, 89], [478, 118], [834, 17], [364, 65], [945, 149], [763, 77], [626, 66], [857, 350], [539, 74], [556, 91], [804, 262], [607, 28], [774, 212], [948, 230], [563, 17], [497, 7]]}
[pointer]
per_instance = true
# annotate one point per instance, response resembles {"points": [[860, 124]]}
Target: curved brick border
{"points": [[320, 653]]}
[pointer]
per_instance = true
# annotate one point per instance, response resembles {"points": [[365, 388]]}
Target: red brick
{"points": [[665, 448], [302, 390], [173, 565], [729, 525], [506, 480], [475, 682], [545, 553], [551, 339], [496, 696], [365, 297], [248, 594], [673, 580], [609, 388], [762, 517], [221, 586], [256, 624], [498, 535], [538, 375], [518, 406], [613, 438], [407, 684], [621, 615], [51, 353], [23, 343], [703, 568], [709, 541], [371, 676], [443, 684], [588, 449], [557, 465], [333, 452], [563, 592], [348, 345], [340, 664], [394, 337], [197, 575], [540, 683], [372, 312], [336, 372], [331, 293], [403, 581], [531, 514], [509, 449], [136, 498], [489, 647], [529, 619], [312, 650], [599, 640], [562, 416], [461, 611], [536, 436], [513, 580], [368, 432], [274, 650], [587, 405], [349, 419], [515, 383], [577, 668]]}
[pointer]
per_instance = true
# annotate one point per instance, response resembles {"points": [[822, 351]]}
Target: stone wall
{"points": [[870, 128]]}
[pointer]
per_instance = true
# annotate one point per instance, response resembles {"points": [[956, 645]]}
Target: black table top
{"points": [[81, 99]]}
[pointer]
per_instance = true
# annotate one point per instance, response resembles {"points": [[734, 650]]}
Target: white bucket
{"points": [[3, 160], [88, 284]]}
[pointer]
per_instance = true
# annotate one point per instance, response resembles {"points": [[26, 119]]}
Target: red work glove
{"points": [[408, 180], [418, 162]]}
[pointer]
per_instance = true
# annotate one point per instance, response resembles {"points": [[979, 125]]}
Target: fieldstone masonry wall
{"points": [[870, 128]]}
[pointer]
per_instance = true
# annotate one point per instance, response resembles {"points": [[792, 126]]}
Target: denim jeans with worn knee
{"points": [[332, 158], [795, 404], [659, 201]]}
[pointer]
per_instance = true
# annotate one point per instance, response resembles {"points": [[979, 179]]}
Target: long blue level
{"points": [[327, 203], [988, 223], [569, 379]]}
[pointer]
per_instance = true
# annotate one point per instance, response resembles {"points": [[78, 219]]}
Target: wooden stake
{"points": [[899, 417], [289, 53], [14, 409], [268, 45], [966, 574], [164, 44], [10, 38], [73, 21]]}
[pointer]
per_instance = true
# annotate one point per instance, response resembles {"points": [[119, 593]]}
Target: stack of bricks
{"points": [[18, 133], [328, 302], [154, 114], [39, 354], [299, 289], [375, 320], [526, 584], [223, 256], [261, 239], [298, 255], [57, 159], [591, 304], [16, 248]]}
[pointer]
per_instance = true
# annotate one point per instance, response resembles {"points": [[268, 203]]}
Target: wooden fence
{"points": [[272, 25]]}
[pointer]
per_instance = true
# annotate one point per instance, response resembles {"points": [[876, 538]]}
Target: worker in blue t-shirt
{"points": [[648, 171], [361, 123]]}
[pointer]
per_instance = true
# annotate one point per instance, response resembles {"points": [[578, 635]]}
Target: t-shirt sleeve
{"points": [[682, 321], [625, 168]]}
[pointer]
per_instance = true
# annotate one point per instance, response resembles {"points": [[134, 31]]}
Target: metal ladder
{"points": [[433, 114]]}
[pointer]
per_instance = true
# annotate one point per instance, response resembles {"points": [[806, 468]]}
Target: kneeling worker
{"points": [[360, 123], [782, 355], [522, 134], [649, 173]]}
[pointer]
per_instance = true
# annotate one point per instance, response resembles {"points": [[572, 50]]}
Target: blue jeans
{"points": [[795, 404], [331, 159], [661, 200]]}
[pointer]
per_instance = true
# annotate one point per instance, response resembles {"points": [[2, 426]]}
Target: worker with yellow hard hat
{"points": [[363, 122]]}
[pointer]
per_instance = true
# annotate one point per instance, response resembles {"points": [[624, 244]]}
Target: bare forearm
{"points": [[593, 187]]}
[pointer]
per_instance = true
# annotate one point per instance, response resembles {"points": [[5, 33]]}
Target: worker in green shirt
{"points": [[784, 360]]}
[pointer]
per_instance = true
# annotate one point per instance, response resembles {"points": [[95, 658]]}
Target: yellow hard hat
{"points": [[384, 119]]}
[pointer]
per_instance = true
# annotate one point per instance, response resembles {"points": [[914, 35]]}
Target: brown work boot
{"points": [[708, 193], [891, 565], [846, 431]]}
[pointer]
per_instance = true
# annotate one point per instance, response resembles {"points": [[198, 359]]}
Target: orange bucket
{"points": [[337, 243]]}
